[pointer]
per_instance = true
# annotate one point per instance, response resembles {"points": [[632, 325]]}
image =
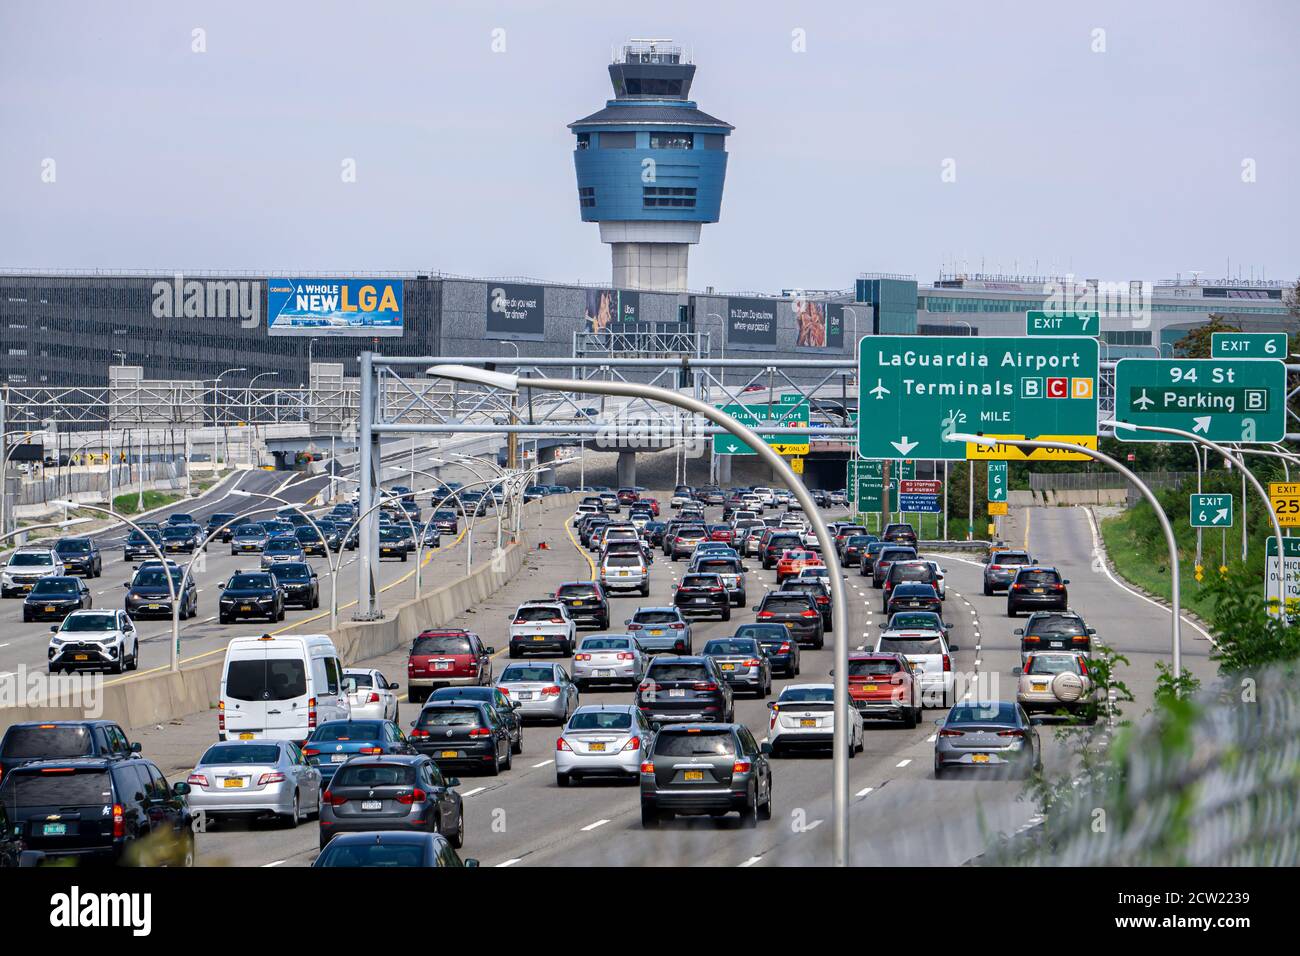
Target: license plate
{"points": [[54, 829], [233, 782], [442, 666], [868, 686], [155, 607], [596, 748], [338, 758], [1038, 590], [526, 695], [372, 804], [539, 637], [676, 692], [604, 672], [693, 775], [622, 574], [576, 603], [979, 758], [245, 607], [700, 600], [655, 633], [448, 754], [808, 722], [81, 657], [728, 667], [245, 736], [1040, 687], [49, 608]]}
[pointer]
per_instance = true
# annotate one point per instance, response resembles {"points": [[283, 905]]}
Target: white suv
{"points": [[542, 626], [94, 639], [624, 571], [803, 718], [27, 566]]}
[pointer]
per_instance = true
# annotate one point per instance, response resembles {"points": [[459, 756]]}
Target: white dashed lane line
{"points": [[507, 863], [592, 826], [543, 764], [470, 793], [904, 762], [864, 791], [751, 861]]}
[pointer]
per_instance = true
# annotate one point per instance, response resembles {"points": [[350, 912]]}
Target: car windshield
{"points": [[527, 672], [156, 577], [1053, 664], [873, 668], [731, 646], [1059, 626], [242, 754], [349, 730], [540, 613], [671, 670], [656, 617], [449, 717], [249, 530], [53, 586], [177, 531], [915, 621], [50, 741], [289, 545], [440, 644], [802, 695], [292, 572], [374, 775], [29, 559], [90, 622], [984, 712], [74, 546], [444, 516], [695, 743], [601, 720], [250, 581], [911, 645], [605, 644]]}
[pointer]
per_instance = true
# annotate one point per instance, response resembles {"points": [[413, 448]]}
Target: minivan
{"points": [[280, 688]]}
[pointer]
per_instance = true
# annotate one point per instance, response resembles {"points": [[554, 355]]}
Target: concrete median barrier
{"points": [[160, 697]]}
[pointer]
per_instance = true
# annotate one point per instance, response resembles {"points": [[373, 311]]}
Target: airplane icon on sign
{"points": [[879, 391], [1143, 401]]}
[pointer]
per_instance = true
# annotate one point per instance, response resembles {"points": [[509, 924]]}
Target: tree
{"points": [[1196, 343]]}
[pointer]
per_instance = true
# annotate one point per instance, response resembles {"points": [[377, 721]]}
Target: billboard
{"points": [[818, 325], [607, 307], [365, 307], [629, 306], [516, 310], [751, 321]]}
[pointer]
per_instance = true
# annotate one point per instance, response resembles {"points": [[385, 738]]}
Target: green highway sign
{"points": [[1062, 323], [914, 390], [1248, 345], [1211, 511], [786, 414], [865, 482], [997, 481], [1225, 400]]}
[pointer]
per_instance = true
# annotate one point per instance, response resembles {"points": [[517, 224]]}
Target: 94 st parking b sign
{"points": [[915, 390]]}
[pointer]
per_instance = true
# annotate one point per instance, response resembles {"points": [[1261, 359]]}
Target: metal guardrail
{"points": [[1099, 480]]}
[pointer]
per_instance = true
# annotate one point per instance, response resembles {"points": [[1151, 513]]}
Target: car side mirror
{"points": [[628, 621], [126, 584], [135, 747], [490, 651], [765, 748], [1066, 581], [656, 726], [54, 628], [754, 608], [1092, 630], [948, 624], [1018, 631], [471, 862], [453, 781], [953, 647], [180, 788]]}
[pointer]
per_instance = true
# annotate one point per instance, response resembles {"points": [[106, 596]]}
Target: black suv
{"points": [[703, 594], [298, 581], [685, 688], [62, 739], [586, 601], [899, 534], [1037, 587], [913, 596], [821, 593], [777, 544], [798, 611], [910, 571], [1055, 631], [884, 558], [54, 597], [702, 768], [147, 594], [80, 556], [225, 520], [854, 547], [92, 808], [468, 733], [251, 594]]}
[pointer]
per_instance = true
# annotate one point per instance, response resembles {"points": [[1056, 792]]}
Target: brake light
{"points": [[623, 656], [1058, 587], [945, 732], [706, 685], [197, 780], [634, 627], [715, 590], [647, 767], [551, 691], [678, 626], [562, 744], [266, 778], [480, 732], [947, 663], [415, 796], [587, 657], [557, 620], [995, 567], [221, 716], [119, 821], [808, 613], [1083, 667], [784, 648], [741, 766], [1017, 587], [371, 751], [1011, 733], [633, 743], [1032, 639], [1079, 639], [823, 600], [520, 620], [752, 662], [311, 713], [763, 614], [373, 698], [419, 733]]}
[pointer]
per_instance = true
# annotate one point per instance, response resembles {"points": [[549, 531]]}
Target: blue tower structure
{"points": [[650, 166]]}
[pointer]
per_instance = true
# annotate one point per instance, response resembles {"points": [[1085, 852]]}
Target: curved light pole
{"points": [[216, 386], [385, 497], [171, 585], [41, 527], [1171, 542], [296, 506], [841, 738], [464, 462], [469, 544], [4, 470]]}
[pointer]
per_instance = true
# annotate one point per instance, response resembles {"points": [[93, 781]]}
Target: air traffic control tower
{"points": [[650, 166]]}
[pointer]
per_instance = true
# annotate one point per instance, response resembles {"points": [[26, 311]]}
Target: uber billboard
{"points": [[516, 310], [751, 321]]}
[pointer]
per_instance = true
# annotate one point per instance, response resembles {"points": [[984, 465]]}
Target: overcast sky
{"points": [[1114, 155]]}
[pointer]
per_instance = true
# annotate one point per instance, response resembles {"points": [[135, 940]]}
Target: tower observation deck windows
{"points": [[587, 197], [618, 140], [672, 141], [659, 197]]}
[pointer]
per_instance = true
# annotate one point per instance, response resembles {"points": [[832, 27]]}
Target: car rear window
{"points": [[445, 644], [605, 644], [784, 605], [577, 590], [889, 555], [374, 775], [764, 632], [372, 854], [526, 672], [719, 566], [731, 646], [601, 720], [623, 559], [1062, 626], [878, 668], [83, 788], [237, 754], [921, 621], [701, 581], [803, 695], [1010, 557], [1053, 664], [784, 541], [536, 614], [911, 645], [349, 730], [984, 712], [670, 670], [656, 617], [50, 741], [276, 678], [702, 743], [449, 717], [364, 679], [911, 572], [1038, 577]]}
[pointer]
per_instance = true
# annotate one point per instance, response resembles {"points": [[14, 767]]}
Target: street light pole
{"points": [[840, 637]]}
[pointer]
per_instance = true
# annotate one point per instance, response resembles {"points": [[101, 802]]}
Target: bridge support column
{"points": [[724, 470], [626, 469]]}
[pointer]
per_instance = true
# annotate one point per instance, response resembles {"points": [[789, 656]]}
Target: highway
{"points": [[900, 815]]}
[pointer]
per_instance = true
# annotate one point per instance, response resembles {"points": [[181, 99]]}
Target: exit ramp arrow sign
{"points": [[1211, 511]]}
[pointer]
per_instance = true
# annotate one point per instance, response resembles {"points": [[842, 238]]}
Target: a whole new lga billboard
{"points": [[364, 307]]}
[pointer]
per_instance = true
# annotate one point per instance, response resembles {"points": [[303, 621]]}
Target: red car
{"points": [[446, 657], [883, 685], [627, 496], [722, 532], [652, 502]]}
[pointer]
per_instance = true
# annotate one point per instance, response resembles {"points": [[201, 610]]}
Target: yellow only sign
{"points": [[996, 452], [1285, 498], [791, 449], [997, 507]]}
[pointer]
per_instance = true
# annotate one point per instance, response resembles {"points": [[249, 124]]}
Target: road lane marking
{"points": [[272, 863], [812, 826], [470, 793], [505, 863], [544, 763], [931, 738], [592, 826], [864, 791], [751, 861], [904, 762]]}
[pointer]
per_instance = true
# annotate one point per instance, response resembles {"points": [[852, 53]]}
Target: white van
{"points": [[280, 688]]}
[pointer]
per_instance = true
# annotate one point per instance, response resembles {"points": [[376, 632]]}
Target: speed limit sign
{"points": [[1285, 498]]}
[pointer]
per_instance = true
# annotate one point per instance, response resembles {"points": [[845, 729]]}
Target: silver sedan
{"points": [[255, 778], [540, 690], [608, 659]]}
